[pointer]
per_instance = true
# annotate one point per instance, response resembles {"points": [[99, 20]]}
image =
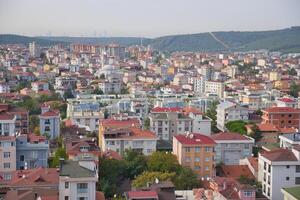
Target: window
{"points": [[206, 168], [22, 158], [197, 159], [197, 149], [207, 159], [246, 146], [265, 165], [297, 168], [247, 193], [66, 197], [287, 166], [297, 180], [290, 121], [66, 185], [7, 177], [207, 149], [287, 178], [197, 167], [82, 187], [282, 115], [187, 149], [6, 154], [290, 115], [6, 165], [187, 159]]}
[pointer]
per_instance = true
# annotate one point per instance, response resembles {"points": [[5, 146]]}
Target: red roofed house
{"points": [[141, 195], [278, 169], [286, 102], [282, 117], [197, 152], [50, 123]]}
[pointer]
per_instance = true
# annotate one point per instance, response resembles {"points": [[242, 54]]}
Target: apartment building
{"points": [[49, 123], [77, 180], [232, 147], [287, 141], [4, 87], [22, 117], [197, 152], [39, 86], [215, 87], [282, 117], [229, 111], [7, 157], [85, 115], [279, 169], [287, 102], [7, 124], [31, 151]]}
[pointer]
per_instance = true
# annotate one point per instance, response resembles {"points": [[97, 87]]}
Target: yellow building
{"points": [[274, 76], [197, 152]]}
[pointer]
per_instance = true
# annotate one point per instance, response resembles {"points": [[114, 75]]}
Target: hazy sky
{"points": [[148, 18]]}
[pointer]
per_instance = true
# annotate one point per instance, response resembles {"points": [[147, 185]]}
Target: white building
{"points": [[215, 87], [228, 111], [4, 88], [50, 123], [34, 50], [279, 169], [77, 180], [287, 141], [7, 124]]}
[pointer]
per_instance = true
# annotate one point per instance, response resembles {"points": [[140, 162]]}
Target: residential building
{"points": [[287, 102], [215, 87], [229, 111], [122, 139], [34, 50], [4, 87], [31, 151], [278, 169], [7, 157], [50, 123], [7, 124], [232, 147], [197, 152], [77, 180], [39, 86], [287, 141], [282, 117]]}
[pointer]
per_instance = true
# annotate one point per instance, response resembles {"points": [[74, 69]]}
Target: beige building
{"points": [[7, 156], [197, 152]]}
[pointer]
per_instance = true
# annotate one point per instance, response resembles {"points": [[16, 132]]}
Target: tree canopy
{"points": [[236, 126]]}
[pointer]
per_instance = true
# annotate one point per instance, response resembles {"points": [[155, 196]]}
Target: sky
{"points": [[144, 18]]}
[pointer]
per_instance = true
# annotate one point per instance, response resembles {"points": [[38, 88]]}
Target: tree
{"points": [[147, 124], [34, 122], [97, 90], [237, 126], [150, 177], [212, 114], [124, 90], [294, 90], [106, 114], [59, 153], [30, 104], [292, 72], [255, 133], [135, 162], [102, 76], [186, 179], [163, 162]]}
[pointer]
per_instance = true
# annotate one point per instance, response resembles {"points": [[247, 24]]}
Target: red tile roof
{"points": [[280, 155], [267, 127], [235, 171], [49, 113], [120, 123], [197, 139], [229, 136], [6, 116], [165, 109], [287, 100], [281, 110], [192, 110], [142, 194]]}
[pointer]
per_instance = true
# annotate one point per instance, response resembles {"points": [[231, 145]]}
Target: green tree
{"points": [[106, 114], [34, 122], [147, 124], [135, 162], [59, 153], [294, 90], [97, 90], [30, 104], [237, 126], [163, 162], [124, 90], [256, 133], [186, 179], [150, 177], [212, 114], [292, 72]]}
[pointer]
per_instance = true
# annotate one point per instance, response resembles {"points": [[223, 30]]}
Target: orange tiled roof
{"points": [[267, 127], [280, 155], [281, 110]]}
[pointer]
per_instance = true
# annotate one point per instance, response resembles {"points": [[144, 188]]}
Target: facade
{"points": [[34, 50], [197, 152], [287, 102], [50, 123], [232, 147], [32, 151], [291, 193], [278, 169], [282, 117], [7, 157], [4, 88], [215, 87], [287, 141], [7, 124], [228, 111], [77, 180], [39, 86]]}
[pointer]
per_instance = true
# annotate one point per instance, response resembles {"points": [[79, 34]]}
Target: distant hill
{"points": [[285, 40]]}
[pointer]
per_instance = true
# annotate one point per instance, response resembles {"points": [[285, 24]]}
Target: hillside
{"points": [[285, 40]]}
